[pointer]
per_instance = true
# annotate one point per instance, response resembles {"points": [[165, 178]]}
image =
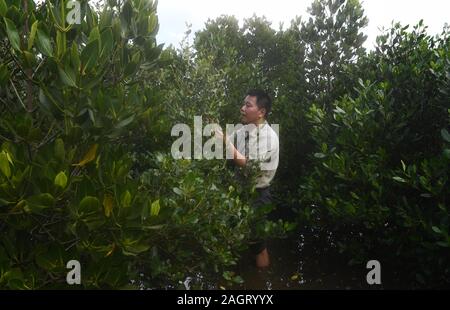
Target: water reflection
{"points": [[301, 262], [309, 260]]}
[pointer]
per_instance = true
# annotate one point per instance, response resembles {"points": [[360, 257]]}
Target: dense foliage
{"points": [[86, 171], [85, 134], [381, 166]]}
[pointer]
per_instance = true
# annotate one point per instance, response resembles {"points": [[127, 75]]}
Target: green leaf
{"points": [[93, 221], [445, 135], [153, 53], [126, 199], [443, 244], [130, 69], [3, 8], [319, 155], [89, 156], [88, 83], [447, 153], [39, 202], [91, 17], [14, 278], [50, 257], [89, 204], [59, 150], [44, 44], [60, 44], [106, 18], [61, 180], [32, 34], [152, 23], [127, 12], [45, 199], [4, 165], [94, 35], [56, 16], [238, 280], [399, 179], [107, 44], [89, 55], [125, 122], [4, 74], [4, 202], [67, 76], [153, 227], [436, 229], [178, 191], [134, 249], [228, 275], [354, 195], [423, 180], [154, 210], [361, 82], [145, 211], [339, 110], [108, 204], [75, 57], [9, 157], [403, 165], [13, 34]]}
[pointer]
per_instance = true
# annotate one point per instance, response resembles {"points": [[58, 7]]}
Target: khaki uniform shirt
{"points": [[259, 143]]}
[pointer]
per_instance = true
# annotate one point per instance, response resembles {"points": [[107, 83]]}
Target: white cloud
{"points": [[381, 13], [174, 14]]}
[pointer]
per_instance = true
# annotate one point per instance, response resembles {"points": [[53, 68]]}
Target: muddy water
{"points": [[298, 264], [307, 260], [301, 262]]}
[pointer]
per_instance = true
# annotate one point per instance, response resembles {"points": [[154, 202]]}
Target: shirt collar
{"points": [[253, 127]]}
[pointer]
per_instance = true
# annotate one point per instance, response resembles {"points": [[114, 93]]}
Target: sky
{"points": [[174, 14]]}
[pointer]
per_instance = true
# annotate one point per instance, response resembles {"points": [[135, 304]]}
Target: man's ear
{"points": [[263, 110]]}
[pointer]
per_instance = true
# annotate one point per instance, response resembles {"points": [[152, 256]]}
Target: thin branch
{"points": [[28, 72], [37, 68], [17, 94]]}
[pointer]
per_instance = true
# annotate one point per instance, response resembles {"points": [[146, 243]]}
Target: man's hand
{"points": [[238, 158], [218, 133]]}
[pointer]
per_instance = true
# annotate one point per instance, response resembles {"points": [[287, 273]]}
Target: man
{"points": [[258, 142]]}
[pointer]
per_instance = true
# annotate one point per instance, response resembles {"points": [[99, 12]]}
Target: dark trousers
{"points": [[264, 197]]}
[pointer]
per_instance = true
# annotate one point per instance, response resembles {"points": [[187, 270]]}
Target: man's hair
{"points": [[263, 100]]}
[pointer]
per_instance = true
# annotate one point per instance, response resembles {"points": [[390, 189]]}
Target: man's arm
{"points": [[238, 158]]}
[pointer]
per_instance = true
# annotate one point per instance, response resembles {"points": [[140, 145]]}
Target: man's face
{"points": [[250, 113]]}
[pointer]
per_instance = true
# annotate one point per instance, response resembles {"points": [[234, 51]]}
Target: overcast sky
{"points": [[174, 14]]}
